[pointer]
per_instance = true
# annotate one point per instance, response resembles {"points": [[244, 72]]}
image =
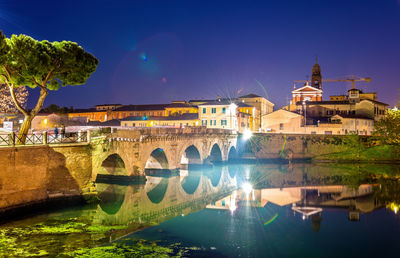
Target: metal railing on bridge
{"points": [[13, 139]]}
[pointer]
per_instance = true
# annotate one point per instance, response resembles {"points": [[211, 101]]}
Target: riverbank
{"points": [[319, 148]]}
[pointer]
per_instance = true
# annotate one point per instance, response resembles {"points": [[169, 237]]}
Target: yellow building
{"points": [[219, 114], [262, 107], [93, 114], [252, 104], [179, 108], [90, 114], [185, 120], [251, 112], [368, 95]]}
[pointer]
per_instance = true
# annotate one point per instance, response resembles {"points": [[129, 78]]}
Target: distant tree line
{"points": [[53, 108]]}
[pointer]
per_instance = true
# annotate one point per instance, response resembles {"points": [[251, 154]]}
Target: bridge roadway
{"points": [[131, 152]]}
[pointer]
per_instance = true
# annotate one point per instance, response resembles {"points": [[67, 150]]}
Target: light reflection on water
{"points": [[248, 210]]}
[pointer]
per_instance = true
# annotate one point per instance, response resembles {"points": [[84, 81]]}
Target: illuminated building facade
{"points": [[219, 114], [178, 121]]}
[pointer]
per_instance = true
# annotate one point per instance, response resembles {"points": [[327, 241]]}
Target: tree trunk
{"points": [[26, 125], [23, 131]]}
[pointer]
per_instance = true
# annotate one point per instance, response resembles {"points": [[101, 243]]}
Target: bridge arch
{"points": [[157, 160], [215, 154], [232, 154], [190, 157], [113, 165]]}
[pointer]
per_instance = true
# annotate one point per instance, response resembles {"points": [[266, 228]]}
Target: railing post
{"points": [[44, 137], [88, 136], [12, 138], [79, 136]]}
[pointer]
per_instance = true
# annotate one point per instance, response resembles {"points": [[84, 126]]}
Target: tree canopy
{"points": [[25, 61], [389, 127]]}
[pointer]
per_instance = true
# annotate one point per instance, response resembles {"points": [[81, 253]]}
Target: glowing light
{"points": [[151, 123], [271, 220], [247, 134], [232, 205], [45, 121], [197, 123], [304, 217], [232, 109], [247, 188], [394, 207]]}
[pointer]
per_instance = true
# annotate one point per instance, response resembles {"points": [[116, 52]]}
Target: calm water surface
{"points": [[300, 210]]}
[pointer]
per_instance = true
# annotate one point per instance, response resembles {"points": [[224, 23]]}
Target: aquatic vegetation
{"points": [[53, 237], [138, 248]]}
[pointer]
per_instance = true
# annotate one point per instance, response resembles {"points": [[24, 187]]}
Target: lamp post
{"points": [[305, 115]]}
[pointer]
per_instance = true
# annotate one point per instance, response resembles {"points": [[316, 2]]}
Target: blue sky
{"points": [[159, 51]]}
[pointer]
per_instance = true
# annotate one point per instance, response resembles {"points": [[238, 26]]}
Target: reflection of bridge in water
{"points": [[162, 198]]}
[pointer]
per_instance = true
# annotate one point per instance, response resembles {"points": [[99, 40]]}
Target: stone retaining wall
{"points": [[30, 174]]}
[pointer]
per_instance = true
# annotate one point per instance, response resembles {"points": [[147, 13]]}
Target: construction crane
{"points": [[353, 79]]}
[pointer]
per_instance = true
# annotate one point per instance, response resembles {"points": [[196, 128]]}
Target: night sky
{"points": [[159, 51]]}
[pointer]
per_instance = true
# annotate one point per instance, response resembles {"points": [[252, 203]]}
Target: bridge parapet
{"points": [[154, 131]]}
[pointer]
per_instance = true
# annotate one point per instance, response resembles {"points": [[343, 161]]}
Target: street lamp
{"points": [[305, 114]]}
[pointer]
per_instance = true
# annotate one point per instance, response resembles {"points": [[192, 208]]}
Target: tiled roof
{"points": [[180, 105], [241, 104], [108, 105], [186, 116], [86, 110], [142, 107], [113, 122], [250, 96], [354, 116]]}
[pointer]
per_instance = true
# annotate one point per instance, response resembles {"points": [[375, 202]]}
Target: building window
{"points": [[281, 126], [204, 110], [213, 110], [223, 110], [223, 122], [204, 122]]}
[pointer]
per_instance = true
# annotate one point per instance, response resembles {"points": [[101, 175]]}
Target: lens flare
{"points": [[247, 134], [271, 220], [283, 147], [247, 188]]}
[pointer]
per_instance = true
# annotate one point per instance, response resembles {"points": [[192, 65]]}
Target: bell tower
{"points": [[316, 78]]}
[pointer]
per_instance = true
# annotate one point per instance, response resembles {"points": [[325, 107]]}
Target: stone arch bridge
{"points": [[132, 152]]}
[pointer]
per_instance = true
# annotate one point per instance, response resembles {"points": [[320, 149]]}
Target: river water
{"points": [[267, 210]]}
